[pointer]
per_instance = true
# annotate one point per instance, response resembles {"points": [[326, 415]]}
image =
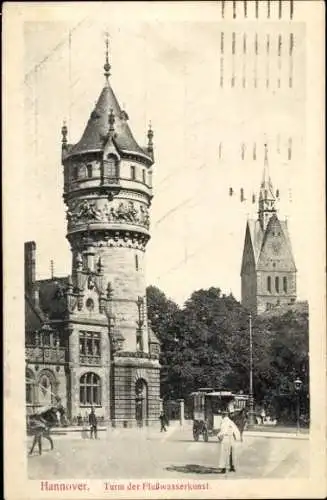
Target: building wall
{"points": [[127, 372], [58, 383], [268, 299], [249, 291], [76, 368]]}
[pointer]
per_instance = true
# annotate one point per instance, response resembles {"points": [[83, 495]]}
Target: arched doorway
{"points": [[141, 402]]}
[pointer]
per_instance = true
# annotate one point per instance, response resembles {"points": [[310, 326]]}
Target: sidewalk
{"points": [[275, 434]]}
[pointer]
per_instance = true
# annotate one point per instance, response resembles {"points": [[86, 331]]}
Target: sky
{"points": [[169, 73]]}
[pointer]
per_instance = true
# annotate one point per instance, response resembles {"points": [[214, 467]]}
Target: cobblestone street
{"points": [[147, 453]]}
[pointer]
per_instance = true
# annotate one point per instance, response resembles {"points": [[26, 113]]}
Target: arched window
{"points": [[277, 284], [45, 391], [83, 171], [269, 284], [29, 387], [89, 170], [90, 389], [285, 284]]}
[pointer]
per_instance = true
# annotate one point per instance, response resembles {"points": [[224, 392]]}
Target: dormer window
{"points": [[133, 173]]}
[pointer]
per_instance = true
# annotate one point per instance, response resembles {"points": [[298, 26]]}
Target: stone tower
{"points": [[268, 274], [113, 353]]}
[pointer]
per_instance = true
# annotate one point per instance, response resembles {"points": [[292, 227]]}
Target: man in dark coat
{"points": [[163, 422], [93, 423]]}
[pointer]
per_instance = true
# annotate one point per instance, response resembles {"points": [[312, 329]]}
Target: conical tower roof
{"points": [[95, 135]]}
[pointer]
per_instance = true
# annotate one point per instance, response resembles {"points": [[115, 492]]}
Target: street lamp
{"points": [[297, 386], [251, 401]]}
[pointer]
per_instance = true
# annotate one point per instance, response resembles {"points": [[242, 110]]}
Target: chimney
{"points": [[30, 277]]}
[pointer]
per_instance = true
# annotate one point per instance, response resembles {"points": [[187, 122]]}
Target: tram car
{"points": [[208, 406]]}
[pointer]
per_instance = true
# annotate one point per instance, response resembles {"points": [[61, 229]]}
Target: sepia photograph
{"points": [[165, 248]]}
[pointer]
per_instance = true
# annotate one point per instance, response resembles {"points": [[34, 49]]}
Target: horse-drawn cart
{"points": [[208, 406]]}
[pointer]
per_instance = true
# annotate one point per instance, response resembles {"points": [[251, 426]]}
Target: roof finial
{"points": [[107, 66], [266, 153], [111, 120], [150, 137], [52, 268], [64, 132]]}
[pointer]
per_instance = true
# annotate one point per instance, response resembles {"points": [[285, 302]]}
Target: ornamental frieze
{"points": [[126, 212], [102, 239]]}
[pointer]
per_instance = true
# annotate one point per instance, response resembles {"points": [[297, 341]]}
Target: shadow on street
{"points": [[193, 469]]}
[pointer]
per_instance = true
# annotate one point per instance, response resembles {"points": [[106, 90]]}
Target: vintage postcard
{"points": [[164, 250]]}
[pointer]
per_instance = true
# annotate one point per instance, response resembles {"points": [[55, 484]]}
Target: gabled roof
{"points": [[52, 300], [256, 235], [153, 339], [285, 255], [95, 134], [33, 317]]}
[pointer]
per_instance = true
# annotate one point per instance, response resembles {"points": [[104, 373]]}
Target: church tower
{"points": [[268, 274], [113, 353]]}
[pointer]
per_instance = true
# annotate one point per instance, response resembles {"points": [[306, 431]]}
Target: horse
{"points": [[39, 426], [239, 418]]}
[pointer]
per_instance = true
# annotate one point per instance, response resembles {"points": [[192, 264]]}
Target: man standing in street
{"points": [[93, 424], [227, 436], [163, 422]]}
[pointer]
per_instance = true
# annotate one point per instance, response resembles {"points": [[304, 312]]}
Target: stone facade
{"points": [[108, 357], [268, 275]]}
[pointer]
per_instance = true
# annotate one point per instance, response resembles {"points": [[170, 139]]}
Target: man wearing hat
{"points": [[227, 436]]}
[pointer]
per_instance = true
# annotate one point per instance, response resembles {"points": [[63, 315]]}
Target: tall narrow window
{"points": [[277, 284], [75, 172], [29, 387], [285, 284], [90, 389], [89, 170], [133, 174], [269, 284], [150, 179], [111, 167], [143, 176], [136, 262]]}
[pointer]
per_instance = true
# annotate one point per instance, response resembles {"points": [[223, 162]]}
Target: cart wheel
{"points": [[205, 437], [195, 436]]}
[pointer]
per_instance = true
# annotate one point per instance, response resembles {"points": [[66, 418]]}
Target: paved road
{"points": [[138, 454]]}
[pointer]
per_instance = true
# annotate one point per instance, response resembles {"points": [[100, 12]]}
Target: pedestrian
{"points": [[93, 424], [263, 416], [228, 434], [40, 429], [163, 422]]}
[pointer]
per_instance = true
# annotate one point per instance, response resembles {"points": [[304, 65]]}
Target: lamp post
{"points": [[297, 386], [251, 401]]}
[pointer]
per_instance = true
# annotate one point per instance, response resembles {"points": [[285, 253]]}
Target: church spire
{"points": [[107, 66], [266, 196]]}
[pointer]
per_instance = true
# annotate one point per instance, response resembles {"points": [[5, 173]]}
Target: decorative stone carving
{"points": [[45, 355], [126, 212]]}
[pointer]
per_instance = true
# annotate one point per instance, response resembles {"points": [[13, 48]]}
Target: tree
{"points": [[206, 344]]}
